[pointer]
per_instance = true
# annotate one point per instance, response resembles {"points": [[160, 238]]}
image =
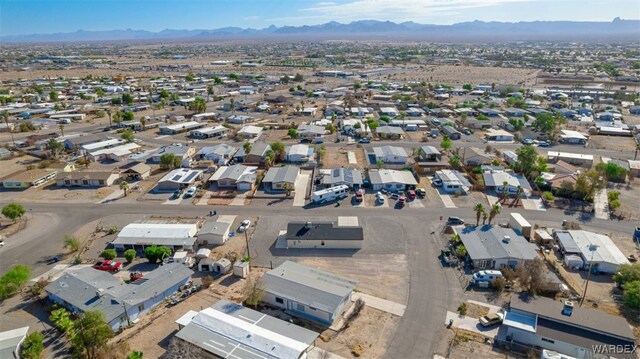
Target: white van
{"points": [[486, 276]]}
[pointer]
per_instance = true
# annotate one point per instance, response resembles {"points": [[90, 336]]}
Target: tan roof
{"points": [[28, 175], [136, 167], [567, 167], [86, 175]]}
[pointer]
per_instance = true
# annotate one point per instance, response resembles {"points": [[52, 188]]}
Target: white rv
{"points": [[330, 194]]}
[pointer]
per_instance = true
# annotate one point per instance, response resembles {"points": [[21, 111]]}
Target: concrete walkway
{"points": [[113, 196], [239, 200], [301, 190], [600, 203], [470, 324], [447, 201], [380, 304], [318, 353]]}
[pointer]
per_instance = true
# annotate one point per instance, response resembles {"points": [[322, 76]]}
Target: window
{"points": [[300, 307], [322, 243], [279, 300], [141, 307], [101, 182], [548, 340]]}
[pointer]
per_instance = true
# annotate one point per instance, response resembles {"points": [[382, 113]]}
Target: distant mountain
{"points": [[616, 30]]}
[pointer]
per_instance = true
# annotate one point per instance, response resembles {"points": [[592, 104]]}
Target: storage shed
{"points": [[241, 269], [222, 266]]}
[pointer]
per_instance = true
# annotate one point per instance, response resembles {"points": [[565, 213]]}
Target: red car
{"points": [[108, 265], [133, 276], [402, 201]]}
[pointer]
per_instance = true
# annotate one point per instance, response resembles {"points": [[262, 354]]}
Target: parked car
{"points": [[1, 244], [191, 192], [364, 140], [437, 182], [359, 195], [543, 144], [527, 141], [52, 260], [467, 131], [380, 199], [485, 276], [421, 192], [411, 194], [454, 221], [176, 194], [394, 196], [108, 266], [491, 319], [244, 225], [402, 201], [135, 276]]}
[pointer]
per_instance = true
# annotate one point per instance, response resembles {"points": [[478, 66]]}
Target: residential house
{"points": [[210, 132], [339, 176], [451, 132], [309, 111], [490, 112], [277, 177], [573, 137], [498, 135], [257, 153], [390, 154], [308, 292], [239, 119], [250, 131], [500, 180], [87, 179], [219, 154], [29, 178], [565, 328], [473, 156], [453, 181], [117, 154], [310, 132], [11, 342], [510, 157], [596, 250], [180, 127], [430, 159], [390, 132], [561, 167], [515, 112], [494, 247], [391, 180], [228, 327], [178, 179], [135, 171], [634, 168], [214, 232], [576, 159], [346, 233], [184, 153], [298, 153], [121, 304], [389, 111], [138, 236], [240, 177], [76, 142]]}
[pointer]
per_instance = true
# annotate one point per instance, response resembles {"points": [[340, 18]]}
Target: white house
{"points": [[391, 180], [210, 132], [179, 178], [180, 127], [498, 135], [214, 232], [298, 153], [140, 235], [390, 154], [453, 181]]}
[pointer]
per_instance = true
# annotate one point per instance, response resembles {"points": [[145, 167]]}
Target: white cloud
{"points": [[396, 10]]}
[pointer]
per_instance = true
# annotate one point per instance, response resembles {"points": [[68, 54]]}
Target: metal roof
{"points": [[228, 329], [383, 176], [282, 174], [157, 234], [347, 176], [488, 242], [384, 151], [213, 227], [581, 241], [182, 176], [329, 231], [316, 288]]}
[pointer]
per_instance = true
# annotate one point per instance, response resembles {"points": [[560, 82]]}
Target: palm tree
{"points": [[247, 147], [125, 187], [484, 218], [495, 210], [61, 127], [109, 113], [143, 122], [268, 161], [479, 209], [503, 193], [288, 188], [418, 152], [635, 156], [233, 106], [518, 196], [210, 92], [379, 164]]}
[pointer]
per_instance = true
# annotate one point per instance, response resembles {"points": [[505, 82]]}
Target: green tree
{"points": [[169, 161], [116, 101], [385, 118], [379, 164], [298, 77], [446, 143], [130, 255], [91, 334], [467, 87], [128, 116], [109, 254], [455, 161], [288, 188], [199, 105], [128, 135], [461, 251], [53, 96], [61, 319], [13, 280], [164, 94], [495, 210], [156, 253], [627, 273], [527, 160], [549, 123], [247, 147], [612, 171], [279, 151], [72, 243], [372, 124], [517, 124], [253, 291], [100, 92], [190, 77], [632, 294], [54, 147], [210, 92], [127, 99], [124, 186], [13, 211], [479, 209], [217, 80], [32, 346], [135, 355], [293, 133], [285, 79]]}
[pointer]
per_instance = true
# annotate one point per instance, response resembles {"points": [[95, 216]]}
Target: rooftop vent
{"points": [[567, 309], [506, 239], [99, 292]]}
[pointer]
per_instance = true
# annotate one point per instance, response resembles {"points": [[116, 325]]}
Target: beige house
{"points": [[87, 179]]}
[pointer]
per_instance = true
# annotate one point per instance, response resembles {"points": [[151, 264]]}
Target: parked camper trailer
{"points": [[330, 194]]}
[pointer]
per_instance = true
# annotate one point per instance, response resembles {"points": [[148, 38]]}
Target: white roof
{"points": [[606, 250], [208, 130], [298, 149], [498, 132], [93, 146], [572, 134], [121, 150], [158, 230], [250, 129], [554, 154], [392, 176], [181, 175], [180, 125]]}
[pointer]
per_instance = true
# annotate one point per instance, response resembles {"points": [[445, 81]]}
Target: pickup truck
{"points": [[108, 266]]}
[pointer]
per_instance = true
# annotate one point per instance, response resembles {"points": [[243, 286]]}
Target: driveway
{"points": [[470, 324], [302, 182], [600, 203]]}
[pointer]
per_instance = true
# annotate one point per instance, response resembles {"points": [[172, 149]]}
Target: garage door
{"points": [[244, 186]]}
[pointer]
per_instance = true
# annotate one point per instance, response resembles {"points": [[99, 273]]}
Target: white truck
{"points": [[330, 194]]}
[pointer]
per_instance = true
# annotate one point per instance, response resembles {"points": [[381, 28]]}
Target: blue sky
{"points": [[50, 16]]}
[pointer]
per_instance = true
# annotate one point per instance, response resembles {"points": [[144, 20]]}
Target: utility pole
{"points": [[592, 249], [246, 239]]}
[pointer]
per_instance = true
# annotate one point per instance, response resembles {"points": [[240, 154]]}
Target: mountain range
{"points": [[616, 30]]}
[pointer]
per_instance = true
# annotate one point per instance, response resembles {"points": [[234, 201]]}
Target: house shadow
{"points": [[229, 281], [311, 252], [164, 342]]}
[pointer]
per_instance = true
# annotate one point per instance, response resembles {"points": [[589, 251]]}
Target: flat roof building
{"points": [[140, 235]]}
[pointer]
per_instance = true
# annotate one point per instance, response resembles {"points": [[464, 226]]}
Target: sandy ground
{"points": [[467, 74], [617, 143], [629, 204], [52, 192], [336, 157]]}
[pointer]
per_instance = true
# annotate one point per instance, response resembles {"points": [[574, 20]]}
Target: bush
{"points": [[498, 284], [13, 281], [632, 294], [109, 254], [32, 346], [13, 211], [548, 196], [112, 230], [130, 255], [77, 260], [462, 309], [156, 253]]}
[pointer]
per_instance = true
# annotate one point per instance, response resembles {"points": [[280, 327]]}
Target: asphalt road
{"points": [[430, 293]]}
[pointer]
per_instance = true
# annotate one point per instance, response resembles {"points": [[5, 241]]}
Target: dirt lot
{"points": [[415, 136], [337, 157], [617, 143], [370, 331], [629, 208], [469, 200], [276, 135], [467, 74], [466, 344], [52, 192]]}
